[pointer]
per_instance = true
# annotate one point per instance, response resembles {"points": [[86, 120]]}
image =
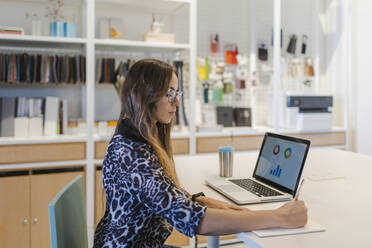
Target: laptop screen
{"points": [[281, 161]]}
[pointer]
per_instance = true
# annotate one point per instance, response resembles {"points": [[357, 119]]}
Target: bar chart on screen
{"points": [[276, 172]]}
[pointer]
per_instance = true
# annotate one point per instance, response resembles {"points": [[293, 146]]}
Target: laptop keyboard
{"points": [[254, 187]]}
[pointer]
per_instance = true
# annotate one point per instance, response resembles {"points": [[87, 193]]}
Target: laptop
{"points": [[276, 175]]}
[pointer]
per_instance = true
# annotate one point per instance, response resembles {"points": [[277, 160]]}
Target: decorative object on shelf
{"points": [[53, 12], [157, 24], [36, 24], [11, 30], [63, 29], [262, 52], [291, 49], [205, 92], [304, 44], [227, 79], [217, 88], [69, 29], [214, 44], [115, 34], [108, 28], [225, 116], [231, 51], [243, 117], [203, 68], [58, 27], [241, 73], [309, 69], [155, 35]]}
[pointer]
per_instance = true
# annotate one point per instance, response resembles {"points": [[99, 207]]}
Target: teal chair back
{"points": [[67, 216]]}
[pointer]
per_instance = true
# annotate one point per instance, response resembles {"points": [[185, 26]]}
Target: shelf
{"points": [[41, 140], [42, 41], [27, 166], [69, 2], [129, 45], [38, 85], [334, 129], [260, 130], [151, 6], [174, 135]]}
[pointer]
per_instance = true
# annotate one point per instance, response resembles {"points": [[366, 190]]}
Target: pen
{"points": [[299, 188]]}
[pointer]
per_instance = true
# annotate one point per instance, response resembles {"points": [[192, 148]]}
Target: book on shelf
{"points": [[33, 117], [159, 37], [7, 111], [51, 116], [35, 124], [11, 30]]}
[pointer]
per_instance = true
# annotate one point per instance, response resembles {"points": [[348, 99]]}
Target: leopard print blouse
{"points": [[142, 203]]}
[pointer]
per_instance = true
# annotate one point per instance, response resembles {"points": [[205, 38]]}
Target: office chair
{"points": [[67, 217]]}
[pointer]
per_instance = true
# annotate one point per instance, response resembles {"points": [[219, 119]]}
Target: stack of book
{"points": [[159, 37], [11, 30], [30, 117]]}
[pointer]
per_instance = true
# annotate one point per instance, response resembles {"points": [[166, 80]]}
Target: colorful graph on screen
{"points": [[276, 172]]}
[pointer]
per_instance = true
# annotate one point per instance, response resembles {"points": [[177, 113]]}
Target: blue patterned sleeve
{"points": [[157, 192]]}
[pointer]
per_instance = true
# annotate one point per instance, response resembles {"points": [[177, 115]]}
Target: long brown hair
{"points": [[146, 82]]}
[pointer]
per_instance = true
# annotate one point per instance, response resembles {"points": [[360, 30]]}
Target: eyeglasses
{"points": [[172, 94]]}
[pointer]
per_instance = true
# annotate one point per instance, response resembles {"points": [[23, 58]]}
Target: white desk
{"points": [[343, 206]]}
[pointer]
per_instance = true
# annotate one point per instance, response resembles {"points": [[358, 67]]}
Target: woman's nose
{"points": [[176, 101]]}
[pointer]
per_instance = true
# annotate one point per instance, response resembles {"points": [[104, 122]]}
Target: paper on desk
{"points": [[325, 176], [310, 227]]}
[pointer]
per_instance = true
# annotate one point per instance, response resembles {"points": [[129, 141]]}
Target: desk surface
{"points": [[338, 194]]}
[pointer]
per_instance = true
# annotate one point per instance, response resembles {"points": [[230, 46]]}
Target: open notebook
{"points": [[310, 227]]}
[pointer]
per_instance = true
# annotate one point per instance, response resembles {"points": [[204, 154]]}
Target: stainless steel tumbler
{"points": [[226, 161]]}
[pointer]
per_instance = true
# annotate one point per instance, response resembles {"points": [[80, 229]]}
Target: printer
{"points": [[306, 112]]}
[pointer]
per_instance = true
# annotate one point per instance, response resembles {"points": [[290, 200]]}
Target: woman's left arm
{"points": [[213, 203]]}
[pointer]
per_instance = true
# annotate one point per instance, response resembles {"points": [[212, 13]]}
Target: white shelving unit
{"points": [[90, 45], [41, 39], [135, 45]]}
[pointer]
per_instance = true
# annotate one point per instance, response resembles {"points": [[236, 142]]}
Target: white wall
{"points": [[230, 19], [363, 76]]}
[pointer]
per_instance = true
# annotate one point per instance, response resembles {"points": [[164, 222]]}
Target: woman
{"points": [[144, 199]]}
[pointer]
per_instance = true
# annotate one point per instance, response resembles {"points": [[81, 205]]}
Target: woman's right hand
{"points": [[293, 214]]}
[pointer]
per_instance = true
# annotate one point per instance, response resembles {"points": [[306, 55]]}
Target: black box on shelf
{"points": [[242, 117], [225, 116]]}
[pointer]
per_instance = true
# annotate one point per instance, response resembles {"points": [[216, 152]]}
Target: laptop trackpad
{"points": [[238, 192], [230, 188]]}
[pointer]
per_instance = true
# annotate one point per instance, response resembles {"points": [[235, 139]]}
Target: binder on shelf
{"points": [[21, 126], [62, 117], [51, 116], [22, 107], [35, 125], [7, 113], [21, 121]]}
